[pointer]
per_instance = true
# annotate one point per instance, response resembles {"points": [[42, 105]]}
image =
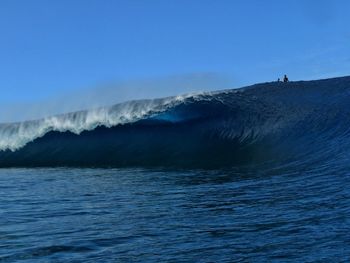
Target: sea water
{"points": [[259, 174], [159, 215]]}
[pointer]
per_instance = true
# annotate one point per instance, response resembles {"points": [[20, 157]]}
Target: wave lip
{"points": [[263, 122], [14, 136]]}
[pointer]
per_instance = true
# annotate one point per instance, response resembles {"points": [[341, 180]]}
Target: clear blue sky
{"points": [[49, 48]]}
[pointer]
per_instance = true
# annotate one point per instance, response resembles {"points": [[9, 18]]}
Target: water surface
{"points": [[285, 213]]}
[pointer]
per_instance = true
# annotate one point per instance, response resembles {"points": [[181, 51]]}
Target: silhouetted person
{"points": [[285, 79], [278, 80]]}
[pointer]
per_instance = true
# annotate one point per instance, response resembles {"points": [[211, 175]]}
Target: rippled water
{"points": [[88, 215]]}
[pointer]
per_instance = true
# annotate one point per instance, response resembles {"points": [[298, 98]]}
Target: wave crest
{"points": [[14, 136]]}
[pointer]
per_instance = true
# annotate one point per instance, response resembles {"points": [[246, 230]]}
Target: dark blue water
{"points": [[265, 122], [292, 213]]}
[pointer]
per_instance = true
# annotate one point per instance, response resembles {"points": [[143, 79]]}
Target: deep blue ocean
{"points": [[285, 214], [258, 174]]}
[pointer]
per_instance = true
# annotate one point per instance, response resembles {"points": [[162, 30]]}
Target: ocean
{"points": [[259, 174]]}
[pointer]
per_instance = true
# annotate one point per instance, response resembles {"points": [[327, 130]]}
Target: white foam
{"points": [[14, 136]]}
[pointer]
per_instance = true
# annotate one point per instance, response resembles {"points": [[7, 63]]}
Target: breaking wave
{"points": [[305, 120]]}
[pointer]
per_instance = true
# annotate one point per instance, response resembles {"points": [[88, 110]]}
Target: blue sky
{"points": [[51, 48]]}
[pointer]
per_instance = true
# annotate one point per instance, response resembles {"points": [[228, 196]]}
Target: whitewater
{"points": [[13, 136]]}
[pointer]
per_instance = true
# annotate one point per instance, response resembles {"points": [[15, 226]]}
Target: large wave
{"points": [[261, 123]]}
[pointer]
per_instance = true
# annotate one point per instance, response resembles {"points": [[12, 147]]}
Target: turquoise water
{"points": [[260, 214]]}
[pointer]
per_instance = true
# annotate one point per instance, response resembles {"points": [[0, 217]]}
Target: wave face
{"points": [[270, 122]]}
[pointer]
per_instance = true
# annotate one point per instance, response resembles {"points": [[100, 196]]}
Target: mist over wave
{"points": [[110, 93], [304, 121]]}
